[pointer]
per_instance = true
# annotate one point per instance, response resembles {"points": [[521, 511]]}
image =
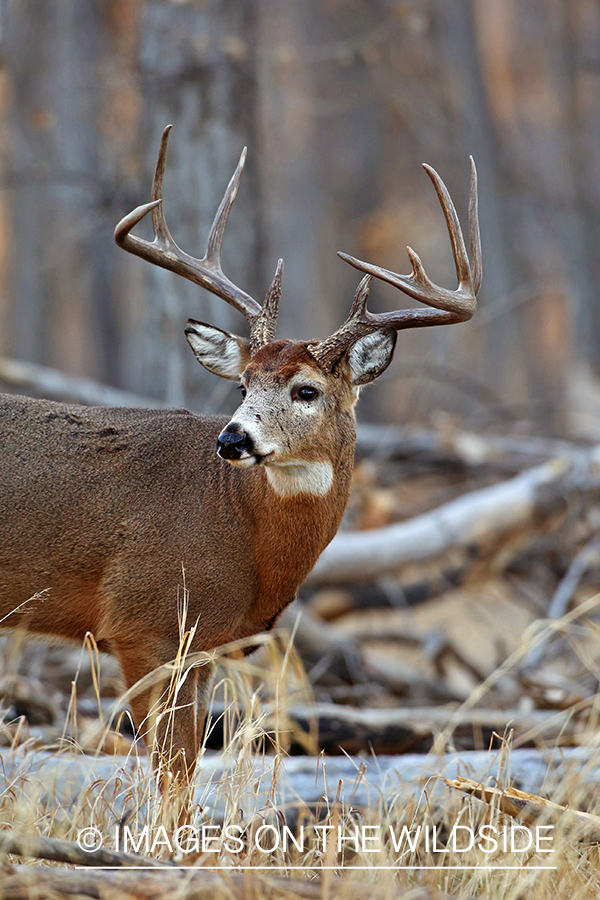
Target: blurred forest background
{"points": [[339, 101]]}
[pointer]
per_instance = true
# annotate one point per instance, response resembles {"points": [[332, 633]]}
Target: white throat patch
{"points": [[299, 477]]}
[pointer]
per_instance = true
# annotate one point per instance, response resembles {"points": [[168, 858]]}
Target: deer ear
{"points": [[219, 351], [369, 356]]}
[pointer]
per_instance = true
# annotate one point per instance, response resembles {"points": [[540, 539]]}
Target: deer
{"points": [[103, 509]]}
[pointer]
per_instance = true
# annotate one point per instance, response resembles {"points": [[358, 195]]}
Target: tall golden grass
{"points": [[257, 691]]}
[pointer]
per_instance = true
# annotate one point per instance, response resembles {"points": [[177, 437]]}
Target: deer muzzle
{"points": [[234, 444]]}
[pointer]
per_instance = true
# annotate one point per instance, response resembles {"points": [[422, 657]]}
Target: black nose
{"points": [[233, 442]]}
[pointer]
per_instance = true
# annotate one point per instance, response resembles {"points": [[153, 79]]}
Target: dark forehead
{"points": [[282, 358]]}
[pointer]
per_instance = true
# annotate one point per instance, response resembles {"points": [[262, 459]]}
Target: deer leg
{"points": [[169, 716]]}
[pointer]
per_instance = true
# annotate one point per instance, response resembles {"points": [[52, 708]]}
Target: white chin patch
{"points": [[298, 477], [244, 463]]}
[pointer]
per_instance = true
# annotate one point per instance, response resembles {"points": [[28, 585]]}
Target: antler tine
{"points": [[159, 223], [217, 229], [265, 327], [474, 235], [446, 307], [459, 251], [164, 252]]}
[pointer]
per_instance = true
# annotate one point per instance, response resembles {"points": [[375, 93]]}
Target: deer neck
{"points": [[297, 509]]}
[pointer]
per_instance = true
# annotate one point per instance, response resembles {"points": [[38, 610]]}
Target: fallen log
{"points": [[346, 729], [391, 731], [263, 782], [466, 522]]}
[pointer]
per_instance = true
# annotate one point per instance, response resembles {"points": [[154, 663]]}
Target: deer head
{"points": [[294, 391]]}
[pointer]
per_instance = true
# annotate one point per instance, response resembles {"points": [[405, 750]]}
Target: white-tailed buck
{"points": [[102, 509]]}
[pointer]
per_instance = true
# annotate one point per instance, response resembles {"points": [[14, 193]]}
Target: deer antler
{"points": [[207, 272], [448, 306]]}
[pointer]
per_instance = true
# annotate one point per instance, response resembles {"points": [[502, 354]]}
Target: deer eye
{"points": [[242, 391], [305, 393]]}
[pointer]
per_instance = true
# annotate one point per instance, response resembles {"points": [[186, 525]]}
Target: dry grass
{"points": [[120, 792]]}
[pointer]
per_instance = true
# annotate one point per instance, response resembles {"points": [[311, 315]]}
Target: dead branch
{"points": [[589, 555], [37, 847], [528, 808], [23, 883], [322, 647], [458, 447], [466, 522]]}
